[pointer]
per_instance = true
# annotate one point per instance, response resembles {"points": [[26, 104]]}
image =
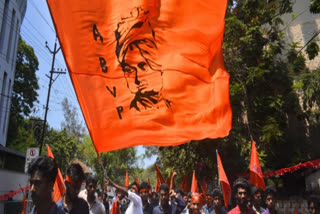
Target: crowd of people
{"points": [[139, 199]]}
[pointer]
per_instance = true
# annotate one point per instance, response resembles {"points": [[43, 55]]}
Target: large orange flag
{"points": [[256, 177], [58, 187], [194, 184], [146, 72], [225, 185], [126, 182]]}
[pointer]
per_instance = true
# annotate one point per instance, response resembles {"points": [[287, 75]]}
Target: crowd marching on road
{"points": [[139, 199]]}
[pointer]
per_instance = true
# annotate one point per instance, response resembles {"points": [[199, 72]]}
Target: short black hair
{"points": [[270, 190], [181, 192], [91, 178], [144, 185], [189, 195], [216, 192], [46, 166], [134, 184], [164, 187], [75, 172], [255, 190], [242, 183]]}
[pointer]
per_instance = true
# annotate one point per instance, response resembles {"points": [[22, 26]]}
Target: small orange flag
{"points": [[194, 184], [146, 72], [204, 187], [225, 185], [126, 182], [159, 175], [256, 177], [58, 187], [295, 211], [157, 187], [136, 180], [185, 184]]}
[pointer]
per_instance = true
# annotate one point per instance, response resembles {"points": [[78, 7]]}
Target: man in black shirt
{"points": [[144, 194]]}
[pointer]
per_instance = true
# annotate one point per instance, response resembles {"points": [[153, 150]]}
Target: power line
{"points": [[42, 15]]}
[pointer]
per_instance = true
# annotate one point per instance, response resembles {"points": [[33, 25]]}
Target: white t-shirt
{"points": [[135, 205]]}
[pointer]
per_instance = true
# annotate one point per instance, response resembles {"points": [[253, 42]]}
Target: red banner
{"points": [[256, 177], [225, 185], [6, 196]]}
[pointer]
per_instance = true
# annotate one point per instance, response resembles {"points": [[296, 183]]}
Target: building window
{"points": [[7, 107], [11, 34], [15, 46], [4, 25], [3, 109]]}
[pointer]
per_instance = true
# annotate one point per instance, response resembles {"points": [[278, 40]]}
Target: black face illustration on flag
{"points": [[136, 51]]}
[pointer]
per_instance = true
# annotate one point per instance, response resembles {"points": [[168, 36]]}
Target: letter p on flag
{"points": [[164, 58], [256, 176]]}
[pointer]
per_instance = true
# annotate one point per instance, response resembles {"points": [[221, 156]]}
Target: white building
{"points": [[11, 16]]}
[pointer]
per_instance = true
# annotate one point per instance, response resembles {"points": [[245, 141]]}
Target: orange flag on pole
{"points": [[256, 177], [194, 184], [159, 175], [157, 187], [146, 72], [126, 182], [58, 187], [185, 184], [225, 185], [136, 180]]}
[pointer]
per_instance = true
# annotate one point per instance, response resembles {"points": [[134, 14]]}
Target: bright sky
{"points": [[36, 29]]}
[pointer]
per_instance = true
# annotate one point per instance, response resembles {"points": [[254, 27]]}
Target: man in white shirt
{"points": [[135, 205], [88, 194]]}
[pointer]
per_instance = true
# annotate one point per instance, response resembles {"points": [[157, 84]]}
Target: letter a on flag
{"points": [[256, 177], [58, 187], [225, 185], [146, 72]]}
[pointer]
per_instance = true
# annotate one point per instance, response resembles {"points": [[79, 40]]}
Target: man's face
{"points": [[312, 208], [144, 194], [196, 207], [141, 76], [189, 203], [270, 202], [40, 188], [164, 197], [209, 200], [91, 188], [257, 199], [242, 196], [72, 190], [217, 202], [134, 189], [185, 198]]}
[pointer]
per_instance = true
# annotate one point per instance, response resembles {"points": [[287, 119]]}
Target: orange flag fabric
{"points": [[184, 184], [146, 72], [295, 211], [194, 184], [256, 177], [159, 175], [225, 185], [157, 187], [126, 182], [58, 187], [136, 180]]}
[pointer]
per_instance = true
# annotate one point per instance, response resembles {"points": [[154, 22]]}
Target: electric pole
{"points": [[51, 81]]}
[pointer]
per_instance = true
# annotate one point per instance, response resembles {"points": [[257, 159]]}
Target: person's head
{"points": [[134, 187], [189, 199], [217, 198], [91, 184], [144, 191], [100, 196], [241, 190], [136, 54], [119, 194], [270, 197], [257, 196], [196, 203], [43, 172], [209, 199], [73, 180], [164, 195], [313, 206], [182, 194]]}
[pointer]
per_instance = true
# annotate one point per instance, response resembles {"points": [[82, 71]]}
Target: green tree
{"points": [[24, 95]]}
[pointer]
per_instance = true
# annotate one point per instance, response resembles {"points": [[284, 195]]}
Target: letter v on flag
{"points": [[225, 185], [256, 177], [146, 72]]}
